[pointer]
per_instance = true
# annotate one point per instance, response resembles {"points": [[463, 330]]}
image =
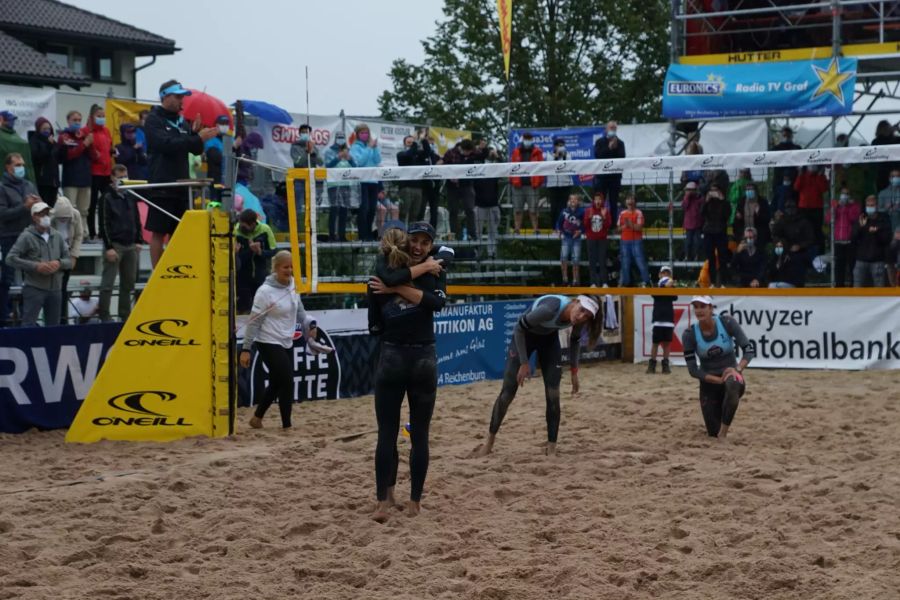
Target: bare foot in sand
{"points": [[382, 514], [483, 449], [413, 508], [392, 501], [550, 449]]}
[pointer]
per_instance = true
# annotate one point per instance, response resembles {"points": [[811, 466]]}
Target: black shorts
{"points": [[662, 334], [159, 222]]}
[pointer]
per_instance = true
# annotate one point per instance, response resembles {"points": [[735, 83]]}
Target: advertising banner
{"points": [[158, 381], [796, 333], [28, 104], [650, 164], [48, 371], [579, 143], [809, 88]]}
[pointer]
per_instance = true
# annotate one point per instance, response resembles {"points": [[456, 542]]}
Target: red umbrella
{"points": [[209, 107]]}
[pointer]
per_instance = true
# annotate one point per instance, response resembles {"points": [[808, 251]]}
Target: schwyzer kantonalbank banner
{"points": [[809, 88], [795, 332]]}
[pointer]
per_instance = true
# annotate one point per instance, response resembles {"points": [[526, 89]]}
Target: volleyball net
{"points": [[527, 262]]}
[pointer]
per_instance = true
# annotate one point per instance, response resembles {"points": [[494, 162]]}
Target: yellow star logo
{"points": [[830, 81]]}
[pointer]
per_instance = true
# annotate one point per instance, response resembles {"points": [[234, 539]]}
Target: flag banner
{"points": [[504, 12], [809, 88]]}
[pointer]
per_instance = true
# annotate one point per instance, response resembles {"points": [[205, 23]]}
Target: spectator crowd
{"points": [[60, 192]]}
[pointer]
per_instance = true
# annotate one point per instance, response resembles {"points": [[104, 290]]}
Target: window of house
{"points": [[78, 64], [105, 68], [58, 55]]}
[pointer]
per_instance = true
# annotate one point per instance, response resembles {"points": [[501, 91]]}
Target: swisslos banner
{"points": [[797, 333]]}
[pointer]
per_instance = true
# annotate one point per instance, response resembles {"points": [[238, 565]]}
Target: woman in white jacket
{"points": [[277, 310]]}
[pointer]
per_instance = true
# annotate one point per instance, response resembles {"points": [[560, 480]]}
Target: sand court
{"points": [[801, 502]]}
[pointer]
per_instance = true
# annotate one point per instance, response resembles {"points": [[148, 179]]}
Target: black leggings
{"points": [[99, 187], [548, 354], [718, 403], [278, 361], [409, 371]]}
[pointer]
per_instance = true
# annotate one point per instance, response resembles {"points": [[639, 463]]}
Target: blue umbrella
{"points": [[266, 111]]}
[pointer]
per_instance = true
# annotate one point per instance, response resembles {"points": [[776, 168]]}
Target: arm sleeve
{"points": [[434, 300], [301, 312], [103, 211], [166, 142], [295, 154], [331, 158], [138, 227], [521, 347], [575, 346], [14, 256], [65, 260], [748, 350], [257, 318], [690, 354], [7, 212]]}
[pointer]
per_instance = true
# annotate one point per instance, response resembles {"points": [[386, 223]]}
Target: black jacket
{"points": [[14, 217], [45, 158], [790, 267], [872, 246], [749, 266], [602, 150], [794, 229], [135, 159], [172, 140], [417, 155], [120, 221]]}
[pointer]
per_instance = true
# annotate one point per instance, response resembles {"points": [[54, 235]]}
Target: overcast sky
{"points": [[257, 49]]}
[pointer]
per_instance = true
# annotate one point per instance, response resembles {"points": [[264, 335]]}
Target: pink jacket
{"points": [[692, 204], [844, 218]]}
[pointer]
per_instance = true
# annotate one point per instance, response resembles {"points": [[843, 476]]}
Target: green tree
{"points": [[573, 62]]}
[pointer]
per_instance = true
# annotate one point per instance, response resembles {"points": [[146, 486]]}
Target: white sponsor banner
{"points": [[277, 137], [824, 156], [28, 104], [846, 333]]}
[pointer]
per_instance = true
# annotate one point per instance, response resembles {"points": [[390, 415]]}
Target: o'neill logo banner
{"points": [[795, 332], [808, 88]]}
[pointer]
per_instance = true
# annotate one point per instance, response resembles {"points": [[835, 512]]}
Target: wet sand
{"points": [[802, 502]]}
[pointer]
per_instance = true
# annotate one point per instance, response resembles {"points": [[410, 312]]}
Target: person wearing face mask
{"points": [[715, 214], [736, 195], [811, 186], [846, 214], [795, 231], [749, 261], [753, 211], [610, 147], [872, 236], [785, 143], [131, 153], [889, 199], [337, 156], [782, 192], [41, 254], [303, 152], [66, 220], [101, 153], [885, 135], [366, 153], [524, 191], [45, 156], [17, 196], [10, 142], [254, 246], [247, 148], [786, 269], [120, 232], [558, 186], [417, 151], [74, 148]]}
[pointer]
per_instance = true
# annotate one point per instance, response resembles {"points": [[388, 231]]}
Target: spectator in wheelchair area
{"points": [[254, 247]]}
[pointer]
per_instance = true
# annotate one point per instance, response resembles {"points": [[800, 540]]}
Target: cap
{"points": [[223, 119], [393, 224], [8, 116], [665, 269], [691, 185], [39, 207], [702, 300], [174, 89], [421, 227]]}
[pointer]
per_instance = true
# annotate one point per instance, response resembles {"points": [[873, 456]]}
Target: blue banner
{"points": [[472, 340], [46, 372], [809, 88], [579, 142]]}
